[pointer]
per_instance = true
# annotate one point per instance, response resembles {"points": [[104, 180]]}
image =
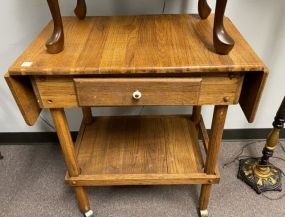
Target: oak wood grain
{"points": [[251, 93], [217, 129], [24, 96], [204, 134], [154, 91], [205, 196], [205, 139], [69, 154], [141, 179], [82, 198], [66, 143], [196, 114], [137, 45], [139, 145], [139, 150], [59, 91]]}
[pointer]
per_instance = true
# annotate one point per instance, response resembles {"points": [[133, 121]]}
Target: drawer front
{"points": [[69, 92], [137, 91]]}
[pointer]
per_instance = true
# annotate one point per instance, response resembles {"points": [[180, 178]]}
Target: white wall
{"points": [[262, 23]]}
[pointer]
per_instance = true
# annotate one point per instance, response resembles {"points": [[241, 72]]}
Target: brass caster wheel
{"points": [[89, 213], [203, 213]]}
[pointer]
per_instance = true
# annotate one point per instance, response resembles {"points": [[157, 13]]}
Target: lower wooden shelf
{"points": [[139, 151]]}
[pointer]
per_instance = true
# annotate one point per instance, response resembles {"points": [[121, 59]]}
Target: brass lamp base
{"points": [[258, 177]]}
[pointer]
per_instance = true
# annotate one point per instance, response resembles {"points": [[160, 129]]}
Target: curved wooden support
{"points": [[204, 9], [81, 9], [223, 42], [55, 43]]}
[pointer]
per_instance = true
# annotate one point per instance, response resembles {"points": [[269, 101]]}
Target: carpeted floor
{"points": [[31, 184]]}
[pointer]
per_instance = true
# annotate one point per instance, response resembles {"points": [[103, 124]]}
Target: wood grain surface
{"points": [[140, 150], [136, 145], [215, 140], [67, 146], [24, 96], [60, 91], [251, 93], [154, 91], [137, 45]]}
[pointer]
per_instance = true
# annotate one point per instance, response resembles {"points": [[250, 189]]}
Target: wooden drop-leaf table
{"points": [[163, 60]]}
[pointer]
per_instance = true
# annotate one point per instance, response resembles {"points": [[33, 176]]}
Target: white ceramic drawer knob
{"points": [[137, 94]]}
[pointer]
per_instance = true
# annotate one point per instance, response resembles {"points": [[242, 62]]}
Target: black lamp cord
{"points": [[163, 8], [47, 122]]}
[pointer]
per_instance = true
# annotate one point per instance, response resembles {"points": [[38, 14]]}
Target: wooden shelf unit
{"points": [[169, 59], [139, 150]]}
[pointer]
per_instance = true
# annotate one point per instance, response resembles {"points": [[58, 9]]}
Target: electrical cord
{"points": [[47, 122], [163, 8], [239, 156]]}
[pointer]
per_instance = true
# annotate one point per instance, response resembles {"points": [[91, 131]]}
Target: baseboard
{"points": [[51, 137]]}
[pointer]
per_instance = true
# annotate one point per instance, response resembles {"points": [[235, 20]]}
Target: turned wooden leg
{"points": [[204, 9], [82, 198], [67, 147], [55, 43], [204, 199], [223, 42], [216, 134], [81, 9]]}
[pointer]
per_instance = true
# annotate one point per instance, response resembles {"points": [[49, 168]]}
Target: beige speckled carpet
{"points": [[31, 185]]}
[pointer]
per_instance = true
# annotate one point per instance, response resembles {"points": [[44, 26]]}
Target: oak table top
{"points": [[137, 46], [154, 44]]}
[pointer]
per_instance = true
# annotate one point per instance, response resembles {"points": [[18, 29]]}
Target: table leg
{"points": [[204, 9], [87, 115], [196, 114], [82, 197], [67, 146], [55, 43], [81, 9], [223, 42], [216, 134]]}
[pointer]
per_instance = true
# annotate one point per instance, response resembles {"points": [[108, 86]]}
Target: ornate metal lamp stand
{"points": [[258, 173]]}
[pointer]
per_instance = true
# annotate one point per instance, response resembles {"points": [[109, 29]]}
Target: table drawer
{"points": [[137, 91], [70, 92]]}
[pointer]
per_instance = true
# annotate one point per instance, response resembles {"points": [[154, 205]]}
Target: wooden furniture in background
{"points": [[223, 42], [138, 61]]}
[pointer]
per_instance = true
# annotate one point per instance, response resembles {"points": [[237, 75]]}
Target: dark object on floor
{"points": [[1, 156], [258, 173]]}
